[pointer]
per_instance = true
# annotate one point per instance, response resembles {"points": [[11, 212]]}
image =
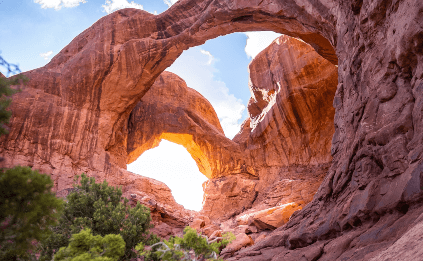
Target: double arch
{"points": [[136, 47]]}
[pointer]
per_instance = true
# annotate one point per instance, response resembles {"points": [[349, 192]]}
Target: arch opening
{"points": [[172, 164]]}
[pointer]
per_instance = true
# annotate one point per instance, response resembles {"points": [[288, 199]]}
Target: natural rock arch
{"points": [[291, 114], [84, 96], [172, 111], [94, 83]]}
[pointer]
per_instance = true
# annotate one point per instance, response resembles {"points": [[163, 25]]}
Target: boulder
{"points": [[241, 240], [271, 218]]}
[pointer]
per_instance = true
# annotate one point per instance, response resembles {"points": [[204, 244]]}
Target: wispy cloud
{"points": [[258, 41], [113, 5], [170, 2], [58, 4], [211, 58], [196, 67], [46, 55]]}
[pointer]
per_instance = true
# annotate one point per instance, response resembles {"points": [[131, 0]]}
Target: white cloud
{"points": [[46, 55], [170, 2], [211, 58], [58, 4], [171, 164], [258, 41], [196, 67], [112, 5]]}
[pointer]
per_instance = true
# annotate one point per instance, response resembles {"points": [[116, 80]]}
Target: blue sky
{"points": [[33, 31]]}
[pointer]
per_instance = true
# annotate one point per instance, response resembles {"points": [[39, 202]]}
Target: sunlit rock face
{"points": [[291, 109], [172, 111]]}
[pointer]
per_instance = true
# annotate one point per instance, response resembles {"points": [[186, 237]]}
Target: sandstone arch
{"points": [[83, 97], [290, 83], [98, 90], [172, 111]]}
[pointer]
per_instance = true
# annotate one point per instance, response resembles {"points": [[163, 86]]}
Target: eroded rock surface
{"points": [[291, 109], [288, 136], [71, 118]]}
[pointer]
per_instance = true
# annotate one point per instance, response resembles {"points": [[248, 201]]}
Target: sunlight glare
{"points": [[171, 164]]}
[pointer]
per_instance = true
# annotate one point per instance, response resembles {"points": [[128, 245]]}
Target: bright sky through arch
{"points": [[171, 164]]}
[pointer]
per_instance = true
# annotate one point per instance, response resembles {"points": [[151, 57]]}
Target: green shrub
{"points": [[86, 247], [103, 210], [27, 209], [191, 246], [5, 92]]}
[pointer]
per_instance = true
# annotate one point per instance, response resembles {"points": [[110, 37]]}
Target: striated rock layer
{"points": [[73, 115]]}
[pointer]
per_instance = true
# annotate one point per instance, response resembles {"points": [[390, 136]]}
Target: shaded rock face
{"points": [[73, 114], [376, 146]]}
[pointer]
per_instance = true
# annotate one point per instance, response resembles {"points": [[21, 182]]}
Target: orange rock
{"points": [[228, 196], [291, 108], [209, 230], [197, 224], [241, 240], [288, 135], [170, 110], [215, 234], [72, 117], [274, 217]]}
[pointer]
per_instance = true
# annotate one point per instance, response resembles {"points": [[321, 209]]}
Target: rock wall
{"points": [[291, 108], [288, 136], [372, 194]]}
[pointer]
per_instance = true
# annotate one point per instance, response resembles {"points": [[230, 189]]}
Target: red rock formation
{"points": [[291, 111], [373, 184], [72, 116], [287, 138], [172, 111], [89, 89]]}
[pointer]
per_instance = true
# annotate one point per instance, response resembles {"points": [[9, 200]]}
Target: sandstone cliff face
{"points": [[374, 184], [72, 116], [291, 109], [288, 136]]}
